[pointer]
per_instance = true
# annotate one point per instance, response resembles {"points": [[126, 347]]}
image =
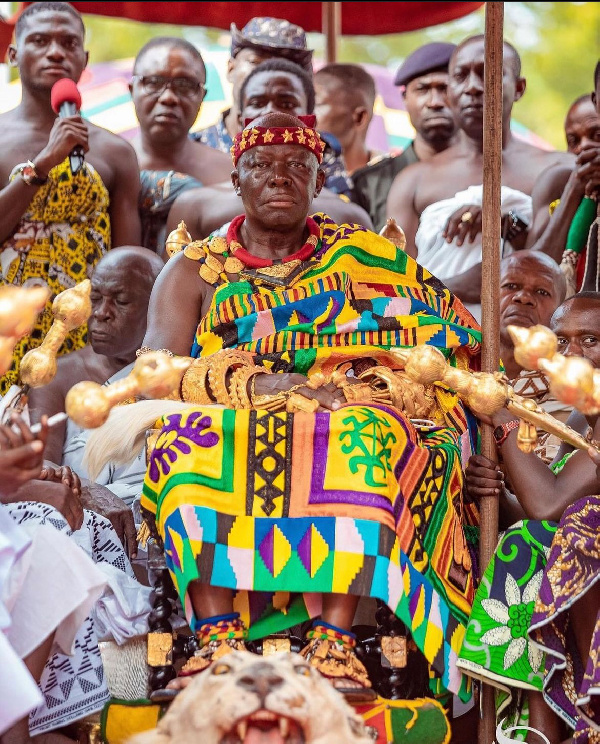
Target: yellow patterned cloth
{"points": [[58, 242], [284, 507]]}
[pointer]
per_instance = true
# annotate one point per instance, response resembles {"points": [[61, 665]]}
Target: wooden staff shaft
{"points": [[332, 28], [490, 280]]}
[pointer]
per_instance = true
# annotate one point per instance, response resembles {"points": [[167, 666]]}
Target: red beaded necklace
{"points": [[255, 262]]}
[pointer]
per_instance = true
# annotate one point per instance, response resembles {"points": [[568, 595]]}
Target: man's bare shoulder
{"points": [[425, 168], [540, 157], [341, 211], [211, 155], [70, 369], [110, 142], [180, 278], [7, 118], [16, 137], [204, 194]]}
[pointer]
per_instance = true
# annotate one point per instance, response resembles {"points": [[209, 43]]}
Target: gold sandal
{"points": [[333, 654], [215, 641]]}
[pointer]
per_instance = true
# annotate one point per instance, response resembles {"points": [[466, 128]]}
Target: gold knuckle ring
{"points": [[466, 217]]}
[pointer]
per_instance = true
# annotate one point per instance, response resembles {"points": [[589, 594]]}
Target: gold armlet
{"points": [[222, 363], [238, 385], [194, 386]]}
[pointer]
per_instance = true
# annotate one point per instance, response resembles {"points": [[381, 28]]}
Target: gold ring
{"points": [[466, 217]]}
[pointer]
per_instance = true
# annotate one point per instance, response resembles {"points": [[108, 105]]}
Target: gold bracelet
{"points": [[272, 403], [268, 402], [194, 386], [238, 385], [221, 364]]}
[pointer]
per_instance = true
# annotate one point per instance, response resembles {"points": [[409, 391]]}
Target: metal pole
{"points": [[490, 280], [332, 28]]}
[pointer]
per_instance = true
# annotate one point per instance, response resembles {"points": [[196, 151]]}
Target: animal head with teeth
{"points": [[245, 699]]}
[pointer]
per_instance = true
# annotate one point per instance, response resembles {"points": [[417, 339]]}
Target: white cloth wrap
{"points": [[447, 260], [46, 586]]}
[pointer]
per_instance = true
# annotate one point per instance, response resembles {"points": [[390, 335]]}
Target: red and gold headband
{"points": [[307, 137]]}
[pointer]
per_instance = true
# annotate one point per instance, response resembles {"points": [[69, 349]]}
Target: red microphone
{"points": [[66, 101]]}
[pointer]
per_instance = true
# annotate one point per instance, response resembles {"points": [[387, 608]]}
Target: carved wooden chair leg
{"points": [[160, 629], [398, 670]]}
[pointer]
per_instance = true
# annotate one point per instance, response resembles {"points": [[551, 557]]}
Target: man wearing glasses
{"points": [[168, 87]]}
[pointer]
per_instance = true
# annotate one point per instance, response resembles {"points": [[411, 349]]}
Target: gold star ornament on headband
{"points": [[306, 137]]}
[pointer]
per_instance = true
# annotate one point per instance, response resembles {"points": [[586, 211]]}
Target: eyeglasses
{"points": [[154, 85]]}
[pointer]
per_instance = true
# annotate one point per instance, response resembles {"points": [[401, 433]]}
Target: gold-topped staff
{"points": [[154, 375], [71, 308], [19, 309], [486, 394]]}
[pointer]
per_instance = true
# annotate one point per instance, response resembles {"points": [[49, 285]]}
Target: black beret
{"points": [[434, 56]]}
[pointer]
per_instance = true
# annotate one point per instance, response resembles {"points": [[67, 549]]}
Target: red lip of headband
{"points": [[307, 137]]}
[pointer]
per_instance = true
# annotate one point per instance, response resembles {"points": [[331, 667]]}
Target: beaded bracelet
{"points": [[325, 632], [148, 350], [221, 631]]}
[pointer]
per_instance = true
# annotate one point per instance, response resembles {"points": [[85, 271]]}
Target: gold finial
{"points": [[394, 233], [532, 344], [19, 308], [177, 239], [573, 380], [71, 308], [154, 375]]}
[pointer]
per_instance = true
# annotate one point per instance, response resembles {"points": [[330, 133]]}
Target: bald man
{"points": [[121, 287], [532, 286]]}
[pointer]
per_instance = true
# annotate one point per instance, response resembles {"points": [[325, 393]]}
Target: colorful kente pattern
{"points": [[289, 506], [285, 507], [359, 295], [58, 242]]}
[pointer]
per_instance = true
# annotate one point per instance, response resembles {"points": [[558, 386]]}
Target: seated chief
{"points": [[291, 480]]}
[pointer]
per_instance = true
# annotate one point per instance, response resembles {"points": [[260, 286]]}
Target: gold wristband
{"points": [[238, 385], [276, 402], [222, 363], [194, 386]]}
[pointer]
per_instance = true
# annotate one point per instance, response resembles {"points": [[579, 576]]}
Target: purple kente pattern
{"points": [[318, 494], [172, 440], [573, 567]]}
